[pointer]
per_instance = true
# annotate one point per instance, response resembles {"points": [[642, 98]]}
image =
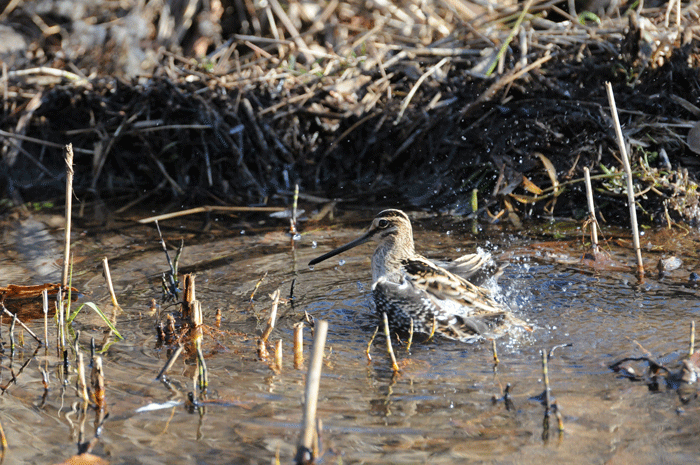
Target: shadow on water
{"points": [[445, 406]]}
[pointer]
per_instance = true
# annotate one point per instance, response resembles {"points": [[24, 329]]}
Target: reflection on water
{"points": [[444, 407]]}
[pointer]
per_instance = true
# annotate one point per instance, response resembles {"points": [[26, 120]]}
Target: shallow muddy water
{"points": [[446, 404]]}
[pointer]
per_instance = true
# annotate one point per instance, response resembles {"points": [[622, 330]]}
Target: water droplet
{"points": [[314, 244], [296, 237], [341, 262], [311, 267], [242, 231]]}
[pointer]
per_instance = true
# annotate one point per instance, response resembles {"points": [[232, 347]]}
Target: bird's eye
{"points": [[383, 223]]}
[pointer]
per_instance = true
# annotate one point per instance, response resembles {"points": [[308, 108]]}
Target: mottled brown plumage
{"points": [[407, 286]]}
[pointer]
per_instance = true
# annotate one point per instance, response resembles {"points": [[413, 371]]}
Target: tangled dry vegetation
{"points": [[418, 102]]}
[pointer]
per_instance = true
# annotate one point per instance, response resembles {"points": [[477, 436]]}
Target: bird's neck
{"points": [[387, 258]]}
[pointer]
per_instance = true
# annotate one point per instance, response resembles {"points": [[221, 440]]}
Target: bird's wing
{"points": [[443, 285]]}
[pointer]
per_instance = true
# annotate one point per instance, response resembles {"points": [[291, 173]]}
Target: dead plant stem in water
{"points": [[299, 345], [69, 208], [305, 452], [591, 210], [691, 350], [108, 277], [630, 184]]}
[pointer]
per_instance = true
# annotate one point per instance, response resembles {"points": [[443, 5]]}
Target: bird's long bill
{"points": [[343, 248]]}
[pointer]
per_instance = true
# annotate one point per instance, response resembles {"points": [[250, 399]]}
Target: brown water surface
{"points": [[439, 409]]}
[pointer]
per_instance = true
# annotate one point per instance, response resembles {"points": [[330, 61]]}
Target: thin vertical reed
{"points": [[691, 350], [630, 185], [69, 209], [313, 380], [108, 277], [299, 345], [45, 300], [591, 209]]}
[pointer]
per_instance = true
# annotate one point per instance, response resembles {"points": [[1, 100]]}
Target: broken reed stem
{"points": [[12, 333], [273, 316], [495, 355], [14, 317], [547, 397], [591, 209], [299, 345], [293, 220], [410, 336], [630, 185], [98, 382], [69, 208], [278, 355], [313, 380], [691, 350], [108, 277], [45, 300], [389, 348], [171, 361], [202, 374], [82, 385], [257, 285], [369, 345], [263, 354]]}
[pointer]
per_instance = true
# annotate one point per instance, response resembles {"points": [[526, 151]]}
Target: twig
{"points": [[257, 285], [630, 185], [415, 87], [287, 23], [209, 208], [69, 211], [48, 71], [171, 361], [389, 348], [12, 315], [43, 142], [313, 380], [502, 82]]}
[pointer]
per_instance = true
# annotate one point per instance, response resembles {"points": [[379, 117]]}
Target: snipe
{"points": [[407, 286]]}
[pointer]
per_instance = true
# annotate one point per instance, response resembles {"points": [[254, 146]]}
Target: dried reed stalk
{"points": [[110, 286], [313, 380], [630, 184], [69, 212], [299, 345], [591, 210]]}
